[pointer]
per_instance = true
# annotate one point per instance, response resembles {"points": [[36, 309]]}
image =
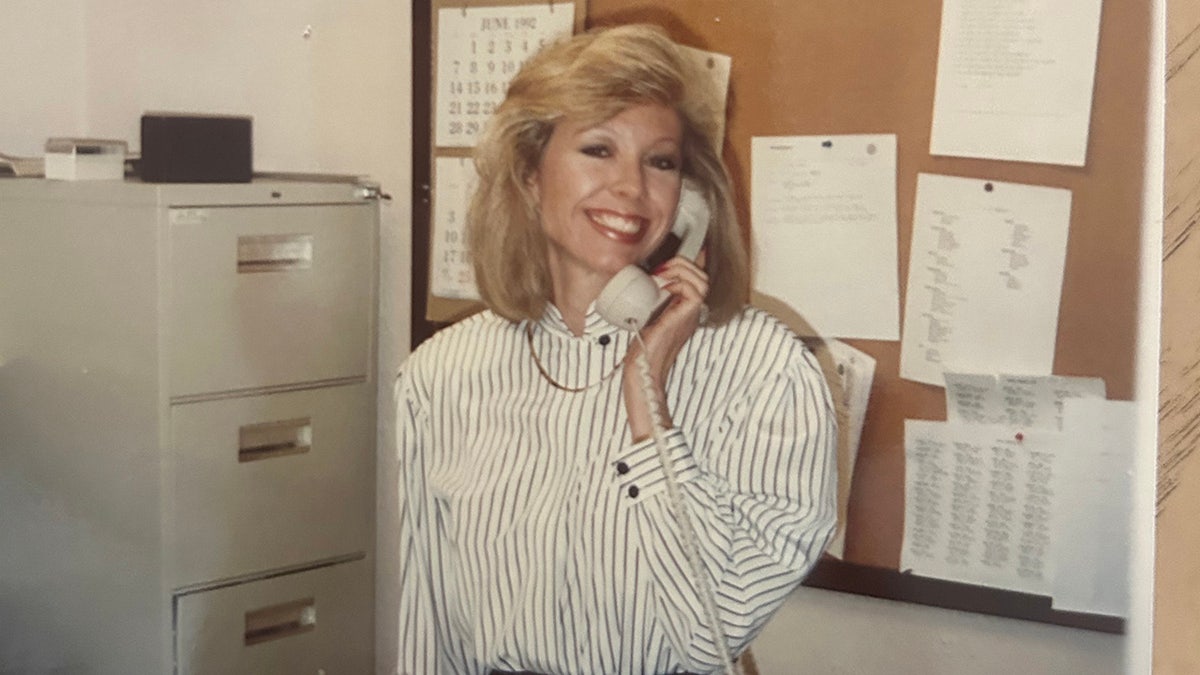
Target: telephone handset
{"points": [[632, 298]]}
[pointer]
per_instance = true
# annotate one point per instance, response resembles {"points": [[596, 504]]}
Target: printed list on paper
{"points": [[1018, 401], [979, 504], [984, 278], [1039, 508]]}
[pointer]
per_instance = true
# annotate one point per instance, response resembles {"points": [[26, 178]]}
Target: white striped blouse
{"points": [[535, 536]]}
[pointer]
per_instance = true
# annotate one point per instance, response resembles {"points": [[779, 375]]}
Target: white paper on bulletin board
{"points": [[714, 85], [824, 215], [980, 504], [1015, 80], [450, 272], [479, 49], [984, 278]]}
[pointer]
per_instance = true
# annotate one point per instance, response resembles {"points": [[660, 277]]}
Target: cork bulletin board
{"points": [[869, 67]]}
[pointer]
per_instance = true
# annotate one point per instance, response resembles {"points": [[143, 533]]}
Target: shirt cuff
{"points": [[638, 474]]}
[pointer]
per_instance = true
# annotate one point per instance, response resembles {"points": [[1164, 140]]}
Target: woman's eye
{"points": [[664, 163], [596, 150]]}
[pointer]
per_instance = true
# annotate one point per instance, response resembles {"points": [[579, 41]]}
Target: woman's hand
{"points": [[664, 338]]}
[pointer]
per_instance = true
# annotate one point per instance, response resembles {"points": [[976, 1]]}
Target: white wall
{"points": [[42, 56], [340, 101]]}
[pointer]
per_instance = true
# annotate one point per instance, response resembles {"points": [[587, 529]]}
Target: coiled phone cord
{"points": [[690, 546]]}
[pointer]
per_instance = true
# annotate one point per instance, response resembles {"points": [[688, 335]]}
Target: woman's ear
{"points": [[532, 185]]}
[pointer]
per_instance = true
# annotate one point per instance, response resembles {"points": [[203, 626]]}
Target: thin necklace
{"points": [[554, 383]]}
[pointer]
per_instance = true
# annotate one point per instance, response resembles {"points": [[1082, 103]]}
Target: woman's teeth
{"points": [[618, 223]]}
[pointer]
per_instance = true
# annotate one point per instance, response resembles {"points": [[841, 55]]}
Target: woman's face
{"points": [[606, 193]]}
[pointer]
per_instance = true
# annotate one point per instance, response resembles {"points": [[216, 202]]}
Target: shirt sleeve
{"points": [[424, 638], [760, 491]]}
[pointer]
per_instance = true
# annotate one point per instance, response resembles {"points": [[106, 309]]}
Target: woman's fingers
{"points": [[684, 278], [688, 286]]}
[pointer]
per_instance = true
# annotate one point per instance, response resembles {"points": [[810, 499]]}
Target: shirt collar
{"points": [[594, 325]]}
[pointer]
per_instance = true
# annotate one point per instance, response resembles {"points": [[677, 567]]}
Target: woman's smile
{"points": [[624, 228]]}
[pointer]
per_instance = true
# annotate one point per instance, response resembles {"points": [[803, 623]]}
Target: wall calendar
{"points": [[479, 50]]}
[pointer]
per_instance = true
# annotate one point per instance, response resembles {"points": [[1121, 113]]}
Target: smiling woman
{"points": [[586, 82], [606, 195], [540, 493]]}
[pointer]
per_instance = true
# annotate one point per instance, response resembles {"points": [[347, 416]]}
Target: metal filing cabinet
{"points": [[187, 426]]}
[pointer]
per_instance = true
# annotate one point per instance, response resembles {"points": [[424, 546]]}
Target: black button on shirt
{"points": [[633, 491], [622, 468], [604, 340]]}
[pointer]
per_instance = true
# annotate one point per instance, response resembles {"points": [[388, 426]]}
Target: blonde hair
{"points": [[591, 77]]}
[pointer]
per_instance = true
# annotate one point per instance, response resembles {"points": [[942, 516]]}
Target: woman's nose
{"points": [[629, 180]]}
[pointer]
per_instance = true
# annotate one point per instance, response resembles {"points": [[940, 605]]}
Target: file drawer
{"points": [[317, 621], [267, 481], [269, 295]]}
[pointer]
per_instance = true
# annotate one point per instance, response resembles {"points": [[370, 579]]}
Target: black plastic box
{"points": [[192, 148]]}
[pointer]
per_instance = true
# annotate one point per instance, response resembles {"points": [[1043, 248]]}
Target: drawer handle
{"points": [[274, 252], [280, 621], [274, 439]]}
